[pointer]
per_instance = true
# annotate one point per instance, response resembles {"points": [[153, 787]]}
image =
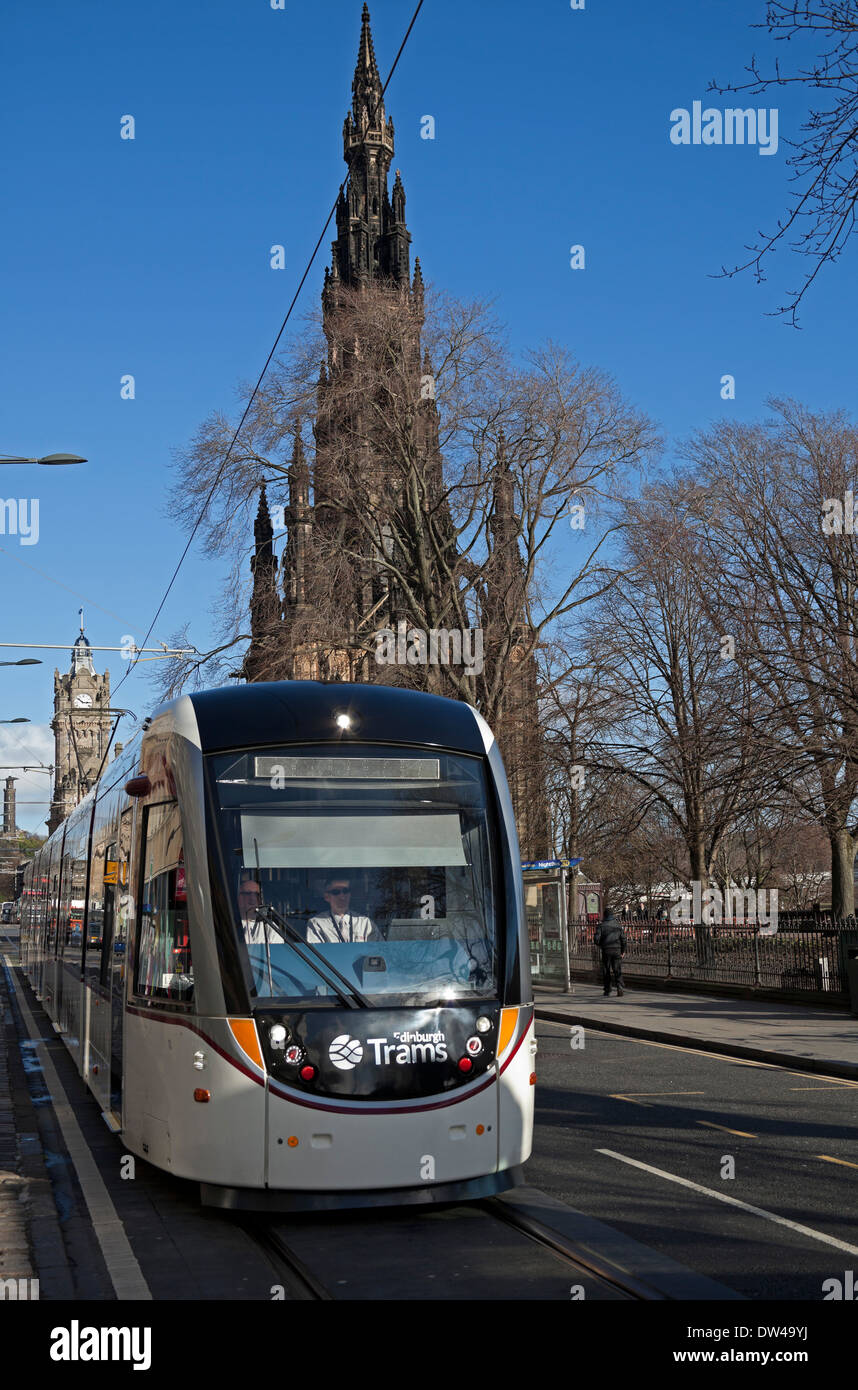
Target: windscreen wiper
{"points": [[318, 962]]}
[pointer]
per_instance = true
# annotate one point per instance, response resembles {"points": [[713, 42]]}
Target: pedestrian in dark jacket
{"points": [[611, 939]]}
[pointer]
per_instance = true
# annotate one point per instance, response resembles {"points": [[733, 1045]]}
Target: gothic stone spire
{"points": [[372, 239], [265, 602]]}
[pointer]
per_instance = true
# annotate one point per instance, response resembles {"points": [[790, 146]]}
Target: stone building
{"points": [[81, 726], [373, 249]]}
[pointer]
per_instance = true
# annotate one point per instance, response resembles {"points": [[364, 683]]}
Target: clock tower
{"points": [[81, 726]]}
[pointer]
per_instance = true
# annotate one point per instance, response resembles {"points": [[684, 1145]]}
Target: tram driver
{"points": [[338, 923]]}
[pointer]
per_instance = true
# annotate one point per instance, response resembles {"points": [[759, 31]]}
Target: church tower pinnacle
{"points": [[265, 602], [372, 239]]}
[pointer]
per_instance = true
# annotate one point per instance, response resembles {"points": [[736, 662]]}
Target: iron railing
{"points": [[799, 956]]}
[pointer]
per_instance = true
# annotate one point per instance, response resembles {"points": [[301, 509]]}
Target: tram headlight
{"points": [[483, 1024], [277, 1035]]}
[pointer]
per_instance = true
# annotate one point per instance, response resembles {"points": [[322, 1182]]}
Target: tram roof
{"points": [[274, 712]]}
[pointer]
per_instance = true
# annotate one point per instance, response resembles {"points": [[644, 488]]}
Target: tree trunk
{"points": [[702, 930], [843, 848]]}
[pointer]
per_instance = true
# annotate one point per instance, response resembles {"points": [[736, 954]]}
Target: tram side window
{"points": [[164, 969]]}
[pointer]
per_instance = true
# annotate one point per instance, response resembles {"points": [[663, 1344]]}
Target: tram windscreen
{"points": [[367, 869]]}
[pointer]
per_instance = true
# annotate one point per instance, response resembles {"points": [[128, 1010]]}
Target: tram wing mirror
{"points": [[138, 786]]}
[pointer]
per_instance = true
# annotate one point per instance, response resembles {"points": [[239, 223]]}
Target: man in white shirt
{"points": [[257, 930], [338, 923]]}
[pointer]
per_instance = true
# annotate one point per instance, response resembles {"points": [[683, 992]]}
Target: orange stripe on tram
{"points": [[244, 1032], [509, 1018]]}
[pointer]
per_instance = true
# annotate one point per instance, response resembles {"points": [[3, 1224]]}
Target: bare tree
{"points": [[821, 218], [680, 730], [774, 505]]}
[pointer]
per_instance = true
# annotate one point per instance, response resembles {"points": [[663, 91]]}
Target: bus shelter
{"points": [[545, 906]]}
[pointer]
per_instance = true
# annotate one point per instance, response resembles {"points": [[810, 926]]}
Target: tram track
{"points": [[585, 1260], [455, 1252], [298, 1281]]}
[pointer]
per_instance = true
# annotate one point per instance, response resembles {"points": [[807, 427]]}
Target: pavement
{"points": [[32, 1249], [790, 1035]]}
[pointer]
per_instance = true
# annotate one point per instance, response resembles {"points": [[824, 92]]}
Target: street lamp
{"points": [[25, 661], [50, 460], [19, 720]]}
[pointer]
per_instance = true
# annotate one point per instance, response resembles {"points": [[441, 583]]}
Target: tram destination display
{"points": [[340, 768]]}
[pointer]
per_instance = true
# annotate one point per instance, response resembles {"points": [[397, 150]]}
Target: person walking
{"points": [[611, 939]]}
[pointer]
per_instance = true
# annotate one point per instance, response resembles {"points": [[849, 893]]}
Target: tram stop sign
{"points": [[527, 864]]}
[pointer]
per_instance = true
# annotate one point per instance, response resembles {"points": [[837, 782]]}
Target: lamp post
{"points": [[25, 661], [49, 461], [19, 720]]}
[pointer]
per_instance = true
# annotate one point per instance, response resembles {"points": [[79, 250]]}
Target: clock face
{"points": [[83, 701]]}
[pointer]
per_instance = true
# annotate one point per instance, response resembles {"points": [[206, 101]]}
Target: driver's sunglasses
{"points": [[338, 891]]}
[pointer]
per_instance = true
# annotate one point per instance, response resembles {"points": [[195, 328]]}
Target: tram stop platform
{"points": [[760, 1030]]}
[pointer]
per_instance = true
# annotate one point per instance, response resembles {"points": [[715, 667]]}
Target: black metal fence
{"points": [[799, 956]]}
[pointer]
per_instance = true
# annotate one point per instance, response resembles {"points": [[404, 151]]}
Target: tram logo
{"points": [[409, 1047], [345, 1052]]}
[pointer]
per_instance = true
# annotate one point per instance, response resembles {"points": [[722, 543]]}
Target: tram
{"points": [[302, 976]]}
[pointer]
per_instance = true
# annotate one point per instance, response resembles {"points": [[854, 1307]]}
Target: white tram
{"points": [[302, 978]]}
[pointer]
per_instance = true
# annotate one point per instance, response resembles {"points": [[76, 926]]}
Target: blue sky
{"points": [[151, 256]]}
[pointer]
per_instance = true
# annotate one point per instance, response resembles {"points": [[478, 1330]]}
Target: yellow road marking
{"points": [[826, 1158], [630, 1096], [742, 1133], [830, 1085]]}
